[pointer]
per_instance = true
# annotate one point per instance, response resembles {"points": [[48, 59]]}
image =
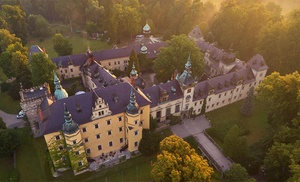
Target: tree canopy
{"points": [[178, 162], [61, 45], [9, 141], [41, 68], [237, 173], [175, 55]]}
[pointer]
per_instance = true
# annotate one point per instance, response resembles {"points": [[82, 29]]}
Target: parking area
{"points": [[11, 120]]}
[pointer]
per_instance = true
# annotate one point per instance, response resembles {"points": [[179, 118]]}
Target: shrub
{"points": [[4, 86]]}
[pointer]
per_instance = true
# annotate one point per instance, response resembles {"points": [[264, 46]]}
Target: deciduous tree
{"points": [[9, 141], [237, 173], [247, 106], [61, 45], [178, 162], [174, 56]]}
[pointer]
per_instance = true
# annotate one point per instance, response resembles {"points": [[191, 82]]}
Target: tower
{"points": [[133, 75], [60, 92], [74, 145], [133, 123], [147, 30]]}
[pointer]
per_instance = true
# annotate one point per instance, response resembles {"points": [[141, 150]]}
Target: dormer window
{"points": [[173, 90]]}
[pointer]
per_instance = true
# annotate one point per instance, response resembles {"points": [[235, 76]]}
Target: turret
{"points": [[133, 75], [132, 107], [186, 77], [69, 126], [147, 30], [60, 92], [143, 50]]}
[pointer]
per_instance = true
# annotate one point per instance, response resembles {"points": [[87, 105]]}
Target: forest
{"points": [[244, 27]]}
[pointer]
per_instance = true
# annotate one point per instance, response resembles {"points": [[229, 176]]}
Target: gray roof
{"points": [[257, 63], [196, 33], [31, 94], [86, 102], [155, 91]]}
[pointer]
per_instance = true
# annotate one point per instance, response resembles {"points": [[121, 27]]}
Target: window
{"points": [[229, 99], [225, 94], [60, 148], [118, 62], [121, 140], [250, 84], [195, 103], [234, 97], [99, 147], [96, 126], [74, 141], [213, 105], [189, 90], [109, 132], [120, 129], [237, 89], [108, 64], [220, 96], [209, 99], [223, 101], [66, 71], [63, 159], [115, 63], [141, 111], [86, 140], [98, 136], [201, 102], [207, 107], [135, 144], [141, 122], [243, 87], [136, 132], [83, 130], [120, 118], [57, 137], [79, 163], [136, 122], [108, 122], [77, 152], [71, 70], [88, 151], [110, 143], [177, 108]]}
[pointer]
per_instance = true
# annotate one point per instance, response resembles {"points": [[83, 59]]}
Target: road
{"points": [[11, 120]]}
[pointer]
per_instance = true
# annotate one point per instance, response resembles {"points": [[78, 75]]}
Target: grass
{"points": [[80, 44], [256, 124], [6, 166], [9, 105]]}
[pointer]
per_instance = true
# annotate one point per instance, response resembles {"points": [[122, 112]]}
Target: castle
{"points": [[110, 117]]}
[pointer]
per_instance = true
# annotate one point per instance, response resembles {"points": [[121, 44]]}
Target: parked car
{"points": [[21, 114]]}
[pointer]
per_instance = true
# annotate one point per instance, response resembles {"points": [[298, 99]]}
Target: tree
{"points": [[41, 69], [149, 144], [9, 141], [167, 35], [2, 124], [133, 59], [281, 93], [38, 26], [237, 173], [3, 23], [174, 56], [235, 145], [16, 19], [178, 162], [6, 38], [3, 77], [61, 45], [247, 106], [153, 123], [130, 21]]}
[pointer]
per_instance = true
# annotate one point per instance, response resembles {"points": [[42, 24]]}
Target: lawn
{"points": [[256, 124], [80, 44], [6, 166], [9, 105]]}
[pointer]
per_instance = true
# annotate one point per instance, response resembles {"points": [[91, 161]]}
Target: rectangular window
{"points": [[223, 101], [108, 64], [237, 89], [88, 151], [96, 126], [77, 152], [135, 144], [209, 99], [213, 105], [74, 141], [136, 132], [57, 137], [99, 147], [86, 140], [98, 136], [120, 129], [136, 122], [220, 96], [141, 122], [195, 103], [120, 118], [71, 70], [207, 107], [60, 148], [177, 108], [243, 87], [79, 163], [109, 132], [108, 122], [83, 130], [110, 143], [118, 62], [121, 140], [201, 102], [66, 71], [231, 91], [229, 99], [141, 111], [225, 94]]}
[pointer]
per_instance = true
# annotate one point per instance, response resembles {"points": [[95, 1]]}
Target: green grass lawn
{"points": [[256, 124], [80, 44], [6, 167], [9, 105]]}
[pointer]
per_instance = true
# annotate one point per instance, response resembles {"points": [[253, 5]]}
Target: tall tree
{"points": [[133, 59], [178, 162], [281, 92], [237, 173], [9, 141], [174, 56], [41, 68], [38, 26], [6, 38], [16, 19], [61, 45], [247, 106]]}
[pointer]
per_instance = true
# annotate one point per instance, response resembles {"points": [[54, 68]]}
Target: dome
{"points": [[144, 50], [60, 94], [133, 71], [146, 28], [70, 126]]}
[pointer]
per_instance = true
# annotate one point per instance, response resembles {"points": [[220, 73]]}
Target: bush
{"points": [[175, 120], [9, 141], [4, 86], [2, 124]]}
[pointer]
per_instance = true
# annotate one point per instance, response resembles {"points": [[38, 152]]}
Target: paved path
{"points": [[196, 128], [11, 120]]}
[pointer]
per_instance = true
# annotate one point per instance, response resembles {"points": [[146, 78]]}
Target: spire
{"points": [[60, 92], [188, 64], [133, 71], [146, 29], [69, 126], [186, 77], [132, 107]]}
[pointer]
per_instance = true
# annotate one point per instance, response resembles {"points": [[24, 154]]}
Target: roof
{"points": [[257, 63], [36, 93], [196, 33], [86, 101], [173, 90], [35, 49]]}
